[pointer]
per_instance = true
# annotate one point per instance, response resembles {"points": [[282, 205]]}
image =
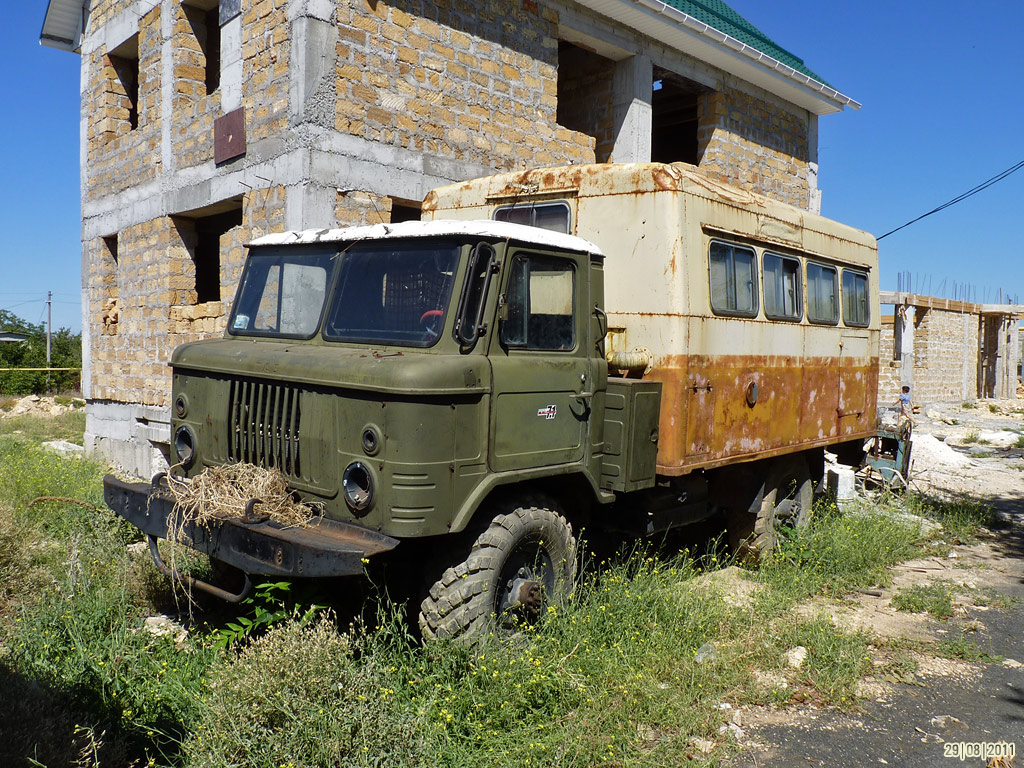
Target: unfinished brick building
{"points": [[946, 350], [206, 123]]}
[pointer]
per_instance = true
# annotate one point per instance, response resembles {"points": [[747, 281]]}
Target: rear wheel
{"points": [[785, 504], [522, 563]]}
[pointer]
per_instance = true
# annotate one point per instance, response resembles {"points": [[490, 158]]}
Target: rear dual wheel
{"points": [[783, 502], [523, 562]]}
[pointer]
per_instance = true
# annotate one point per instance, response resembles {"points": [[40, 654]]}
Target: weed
{"points": [[269, 607], [970, 437], [935, 599], [29, 428], [7, 403], [993, 409], [838, 552], [966, 650], [1020, 442], [962, 519], [967, 405], [902, 668], [836, 659], [989, 598]]}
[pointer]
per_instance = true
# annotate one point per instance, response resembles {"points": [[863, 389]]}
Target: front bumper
{"points": [[323, 548]]}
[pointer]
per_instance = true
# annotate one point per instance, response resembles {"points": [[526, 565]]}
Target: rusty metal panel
{"points": [[229, 136]]}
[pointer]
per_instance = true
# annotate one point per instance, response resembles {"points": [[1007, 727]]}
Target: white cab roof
{"points": [[483, 228]]}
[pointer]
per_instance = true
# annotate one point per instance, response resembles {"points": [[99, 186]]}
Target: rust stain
{"points": [[706, 419]]}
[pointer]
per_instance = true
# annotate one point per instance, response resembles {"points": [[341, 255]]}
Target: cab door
{"points": [[542, 391]]}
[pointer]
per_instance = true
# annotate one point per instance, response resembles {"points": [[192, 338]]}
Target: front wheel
{"points": [[523, 562]]}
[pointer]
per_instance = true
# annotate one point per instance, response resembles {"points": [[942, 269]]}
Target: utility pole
{"points": [[49, 331]]}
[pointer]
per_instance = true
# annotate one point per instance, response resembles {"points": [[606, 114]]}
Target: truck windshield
{"points": [[282, 293], [393, 292]]}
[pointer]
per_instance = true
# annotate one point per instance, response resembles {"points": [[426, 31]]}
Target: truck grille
{"points": [[264, 425]]}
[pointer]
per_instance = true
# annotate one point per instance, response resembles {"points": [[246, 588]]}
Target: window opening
{"points": [[124, 60], [541, 304], [551, 216], [584, 97], [783, 294], [110, 241], [204, 18], [733, 272], [402, 210], [674, 118], [822, 287], [856, 309]]}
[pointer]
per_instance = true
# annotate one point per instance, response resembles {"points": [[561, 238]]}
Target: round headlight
{"points": [[184, 445], [357, 483]]}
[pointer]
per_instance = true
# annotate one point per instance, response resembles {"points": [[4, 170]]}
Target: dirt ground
{"points": [[960, 450]]}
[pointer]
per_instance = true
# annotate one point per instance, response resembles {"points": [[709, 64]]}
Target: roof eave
{"points": [[685, 33], [62, 25]]}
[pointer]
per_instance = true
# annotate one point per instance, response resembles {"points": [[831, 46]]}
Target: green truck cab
{"points": [[441, 389]]}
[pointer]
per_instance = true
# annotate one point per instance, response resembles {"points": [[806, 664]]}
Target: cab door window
{"points": [[541, 306]]}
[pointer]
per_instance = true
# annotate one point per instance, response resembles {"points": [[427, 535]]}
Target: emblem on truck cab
{"points": [[548, 411]]}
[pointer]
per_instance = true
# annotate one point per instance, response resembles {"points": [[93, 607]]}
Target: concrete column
{"points": [[631, 109], [1006, 364], [231, 65], [309, 205], [313, 89], [813, 192], [903, 338]]}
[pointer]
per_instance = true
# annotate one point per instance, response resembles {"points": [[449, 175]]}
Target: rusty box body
{"points": [[765, 371]]}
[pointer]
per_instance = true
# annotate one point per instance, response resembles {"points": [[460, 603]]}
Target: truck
{"points": [[631, 348]]}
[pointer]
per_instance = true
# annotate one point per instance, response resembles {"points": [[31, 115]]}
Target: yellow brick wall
{"points": [[477, 87], [754, 144], [155, 288], [118, 156]]}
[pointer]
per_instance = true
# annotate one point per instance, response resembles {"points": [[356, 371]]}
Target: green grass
{"points": [[1020, 442], [935, 599], [68, 426], [966, 650], [971, 437], [838, 553], [963, 520], [610, 677]]}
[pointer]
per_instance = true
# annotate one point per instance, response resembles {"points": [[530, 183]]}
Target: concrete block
{"points": [[840, 483]]}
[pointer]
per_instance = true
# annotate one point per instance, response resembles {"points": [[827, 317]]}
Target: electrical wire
{"points": [[959, 198]]}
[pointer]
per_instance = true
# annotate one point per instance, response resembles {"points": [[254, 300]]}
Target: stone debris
{"points": [[164, 626], [948, 723], [703, 745], [138, 548], [732, 728], [706, 653], [64, 448], [926, 449], [795, 657], [35, 405]]}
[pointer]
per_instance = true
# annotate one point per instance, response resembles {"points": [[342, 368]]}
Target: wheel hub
{"points": [[525, 594]]}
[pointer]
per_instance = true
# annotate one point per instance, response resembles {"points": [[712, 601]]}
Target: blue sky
{"points": [[942, 86]]}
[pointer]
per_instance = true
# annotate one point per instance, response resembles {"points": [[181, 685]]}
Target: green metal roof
{"points": [[719, 15]]}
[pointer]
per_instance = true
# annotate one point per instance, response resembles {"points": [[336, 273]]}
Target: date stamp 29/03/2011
{"points": [[986, 750]]}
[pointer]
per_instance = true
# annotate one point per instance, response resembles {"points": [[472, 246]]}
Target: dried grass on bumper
{"points": [[220, 493]]}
